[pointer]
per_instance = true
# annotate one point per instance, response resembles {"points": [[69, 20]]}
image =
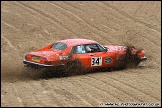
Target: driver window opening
{"points": [[92, 48]]}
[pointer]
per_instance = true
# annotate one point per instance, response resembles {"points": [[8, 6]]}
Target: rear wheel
{"points": [[73, 67]]}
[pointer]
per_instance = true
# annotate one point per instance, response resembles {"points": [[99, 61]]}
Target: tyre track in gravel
{"points": [[100, 25], [21, 98], [46, 16], [151, 97], [121, 85], [123, 14], [154, 43], [32, 94], [95, 28], [130, 17], [115, 26], [151, 38], [48, 97], [11, 26], [86, 98], [58, 93], [60, 87], [115, 16], [26, 97], [7, 97], [8, 43], [85, 93], [49, 17], [138, 74], [30, 30], [147, 95], [74, 18], [110, 89]]}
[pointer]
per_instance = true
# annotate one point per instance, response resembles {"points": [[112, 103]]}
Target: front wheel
{"points": [[131, 60]]}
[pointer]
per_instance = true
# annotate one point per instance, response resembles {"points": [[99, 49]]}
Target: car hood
{"points": [[117, 49]]}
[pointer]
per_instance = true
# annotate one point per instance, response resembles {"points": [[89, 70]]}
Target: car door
{"points": [[95, 55], [78, 52], [99, 57], [96, 58], [102, 59]]}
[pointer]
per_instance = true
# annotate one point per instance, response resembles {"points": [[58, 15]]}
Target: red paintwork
{"points": [[52, 56]]}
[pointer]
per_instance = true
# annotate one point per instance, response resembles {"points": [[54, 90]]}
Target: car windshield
{"points": [[59, 46]]}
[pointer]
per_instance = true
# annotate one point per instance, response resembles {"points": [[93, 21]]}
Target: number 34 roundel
{"points": [[96, 61]]}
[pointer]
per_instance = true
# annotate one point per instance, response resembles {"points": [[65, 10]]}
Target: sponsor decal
{"points": [[63, 57], [108, 60]]}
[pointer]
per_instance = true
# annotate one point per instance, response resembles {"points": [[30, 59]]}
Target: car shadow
{"points": [[27, 74], [49, 74]]}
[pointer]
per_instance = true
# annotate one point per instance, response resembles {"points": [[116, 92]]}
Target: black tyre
{"points": [[73, 67], [131, 60]]}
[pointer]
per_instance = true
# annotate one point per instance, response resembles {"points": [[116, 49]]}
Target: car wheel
{"points": [[131, 60], [73, 67]]}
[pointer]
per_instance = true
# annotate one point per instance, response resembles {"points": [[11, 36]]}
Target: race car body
{"points": [[89, 53]]}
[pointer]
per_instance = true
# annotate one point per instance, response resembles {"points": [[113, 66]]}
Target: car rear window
{"points": [[59, 46]]}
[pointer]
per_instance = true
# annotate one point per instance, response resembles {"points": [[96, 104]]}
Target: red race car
{"points": [[84, 53]]}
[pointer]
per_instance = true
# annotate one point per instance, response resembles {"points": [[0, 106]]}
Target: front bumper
{"points": [[143, 58], [29, 63]]}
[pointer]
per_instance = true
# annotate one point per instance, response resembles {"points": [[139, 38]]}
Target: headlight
{"points": [[141, 54]]}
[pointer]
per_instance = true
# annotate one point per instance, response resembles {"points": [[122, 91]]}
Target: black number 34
{"points": [[96, 61]]}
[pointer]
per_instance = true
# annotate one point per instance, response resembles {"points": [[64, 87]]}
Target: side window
{"points": [[92, 48], [78, 49], [59, 46]]}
